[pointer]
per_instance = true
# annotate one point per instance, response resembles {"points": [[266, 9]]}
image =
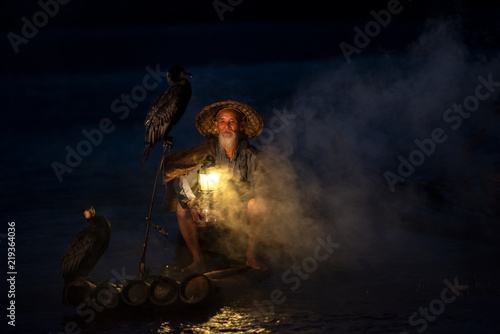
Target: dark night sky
{"points": [[79, 13], [53, 46]]}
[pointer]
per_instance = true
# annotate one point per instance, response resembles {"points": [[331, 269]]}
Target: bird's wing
{"points": [[77, 251], [164, 113], [157, 109], [159, 117], [183, 93]]}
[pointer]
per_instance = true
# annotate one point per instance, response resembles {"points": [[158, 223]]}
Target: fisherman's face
{"points": [[229, 123]]}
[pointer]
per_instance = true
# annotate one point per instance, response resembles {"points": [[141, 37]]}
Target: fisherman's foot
{"points": [[256, 264], [198, 268]]}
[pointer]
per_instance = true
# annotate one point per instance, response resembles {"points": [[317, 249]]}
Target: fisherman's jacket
{"points": [[181, 171]]}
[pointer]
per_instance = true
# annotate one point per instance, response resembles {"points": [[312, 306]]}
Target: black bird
{"points": [[86, 248], [167, 110]]}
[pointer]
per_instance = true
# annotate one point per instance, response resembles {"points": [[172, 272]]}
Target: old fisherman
{"points": [[218, 178]]}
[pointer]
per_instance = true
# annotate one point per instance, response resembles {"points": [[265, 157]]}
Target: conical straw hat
{"points": [[205, 119]]}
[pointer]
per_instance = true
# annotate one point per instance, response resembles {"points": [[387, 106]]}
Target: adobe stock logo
{"points": [[225, 6], [120, 107], [453, 116], [437, 306], [278, 123], [295, 275], [92, 306]]}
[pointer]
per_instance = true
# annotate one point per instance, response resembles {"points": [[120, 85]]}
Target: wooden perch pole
{"points": [[142, 264]]}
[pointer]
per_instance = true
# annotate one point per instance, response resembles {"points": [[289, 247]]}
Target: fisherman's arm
{"points": [[183, 187], [183, 190]]}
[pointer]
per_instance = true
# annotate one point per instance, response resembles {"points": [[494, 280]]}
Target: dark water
{"points": [[383, 270]]}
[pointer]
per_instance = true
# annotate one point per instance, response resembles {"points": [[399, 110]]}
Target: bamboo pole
{"points": [[77, 292], [108, 295], [135, 292], [142, 264], [163, 291], [200, 288]]}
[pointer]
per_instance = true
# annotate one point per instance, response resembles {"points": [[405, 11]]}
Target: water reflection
{"points": [[227, 319]]}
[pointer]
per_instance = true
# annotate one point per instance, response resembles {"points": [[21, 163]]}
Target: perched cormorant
{"points": [[167, 110], [86, 248]]}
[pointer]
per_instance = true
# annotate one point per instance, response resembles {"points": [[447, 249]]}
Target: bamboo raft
{"points": [[161, 291]]}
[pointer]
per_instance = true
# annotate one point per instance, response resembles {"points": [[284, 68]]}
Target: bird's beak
{"points": [[185, 74]]}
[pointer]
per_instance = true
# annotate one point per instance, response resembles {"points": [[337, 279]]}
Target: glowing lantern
{"points": [[208, 181]]}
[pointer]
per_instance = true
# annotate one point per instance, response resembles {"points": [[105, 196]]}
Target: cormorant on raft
{"points": [[86, 248], [167, 110]]}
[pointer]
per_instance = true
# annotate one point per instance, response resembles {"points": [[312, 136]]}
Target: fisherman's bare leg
{"points": [[189, 232], [255, 222]]}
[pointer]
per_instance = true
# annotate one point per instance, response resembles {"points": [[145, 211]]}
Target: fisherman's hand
{"points": [[194, 206]]}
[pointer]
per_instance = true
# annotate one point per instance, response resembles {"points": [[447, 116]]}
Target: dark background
{"points": [[270, 54], [109, 13], [288, 24]]}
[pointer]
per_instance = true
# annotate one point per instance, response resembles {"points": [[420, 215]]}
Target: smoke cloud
{"points": [[353, 122], [325, 151]]}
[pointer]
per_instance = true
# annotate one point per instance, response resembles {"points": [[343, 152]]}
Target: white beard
{"points": [[229, 143]]}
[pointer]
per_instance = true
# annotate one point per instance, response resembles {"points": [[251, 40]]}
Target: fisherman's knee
{"points": [[255, 206], [181, 213]]}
